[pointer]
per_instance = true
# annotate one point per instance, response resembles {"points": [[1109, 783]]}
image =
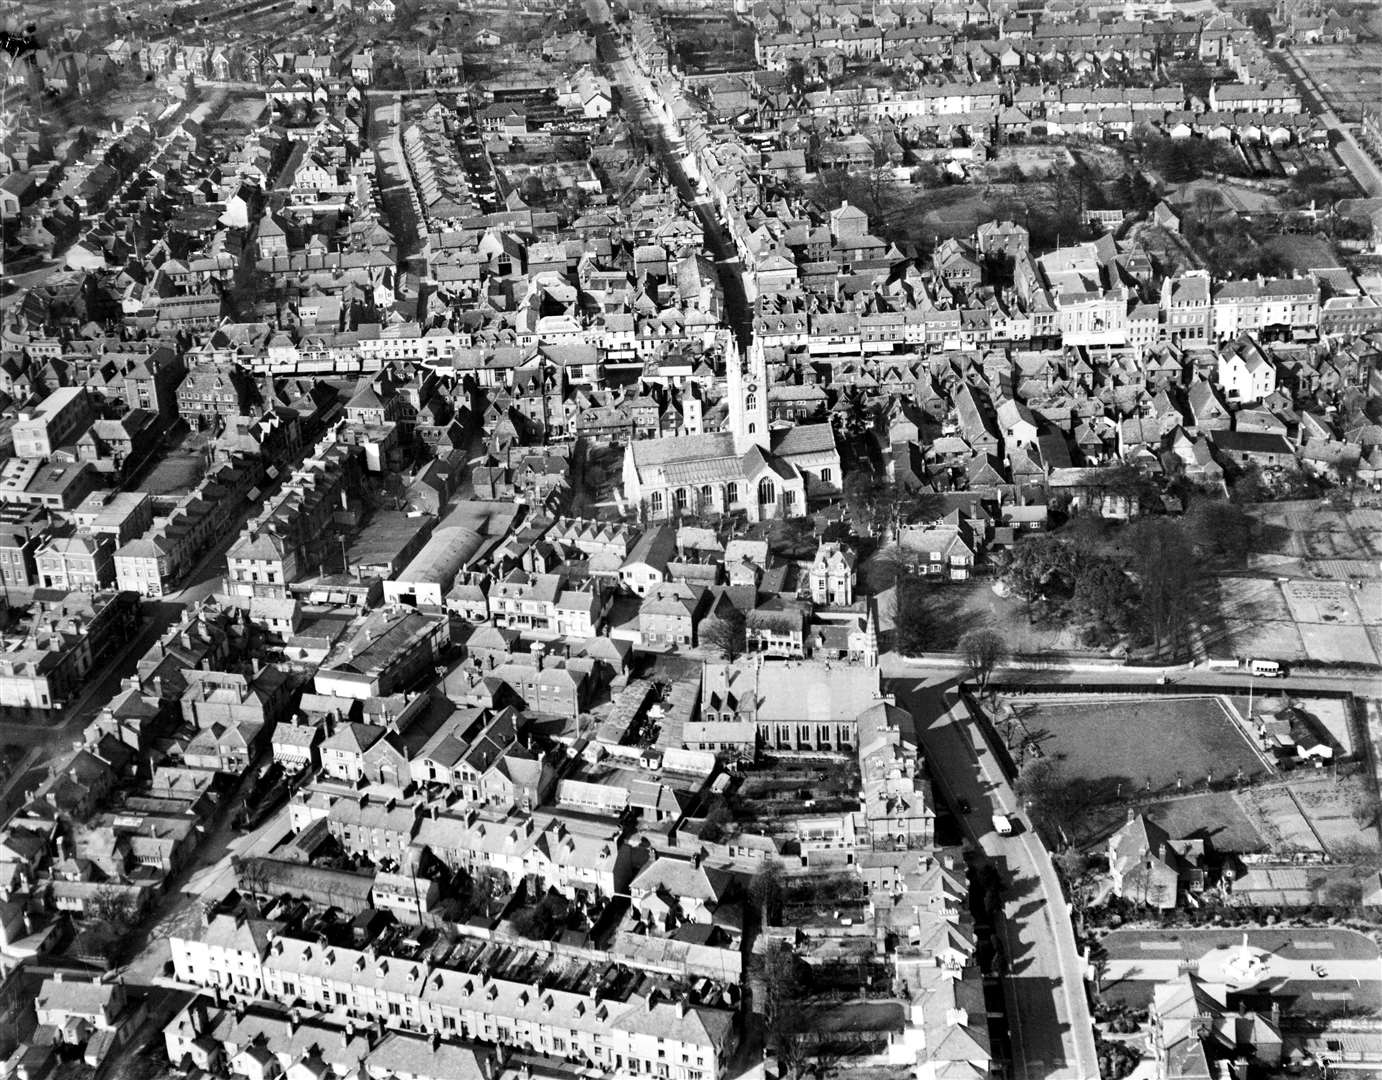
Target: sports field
{"points": [[1143, 744]]}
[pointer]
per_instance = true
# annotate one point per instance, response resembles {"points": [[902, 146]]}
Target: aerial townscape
{"points": [[759, 540]]}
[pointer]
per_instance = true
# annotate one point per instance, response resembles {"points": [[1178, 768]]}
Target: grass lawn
{"points": [[1142, 742]]}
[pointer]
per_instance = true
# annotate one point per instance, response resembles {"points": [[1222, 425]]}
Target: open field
{"points": [[1319, 621], [1349, 76], [1286, 828], [1143, 744], [957, 210]]}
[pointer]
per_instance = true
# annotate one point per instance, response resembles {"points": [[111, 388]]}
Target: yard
{"points": [[955, 607], [1147, 744], [1302, 252], [180, 469], [1218, 816]]}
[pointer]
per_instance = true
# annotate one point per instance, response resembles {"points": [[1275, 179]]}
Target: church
{"points": [[751, 468]]}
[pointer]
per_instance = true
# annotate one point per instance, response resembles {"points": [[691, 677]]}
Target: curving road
{"points": [[1050, 1029]]}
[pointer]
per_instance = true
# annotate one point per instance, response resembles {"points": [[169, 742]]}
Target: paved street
{"points": [[1183, 678], [35, 728], [206, 879], [1048, 1015], [640, 98]]}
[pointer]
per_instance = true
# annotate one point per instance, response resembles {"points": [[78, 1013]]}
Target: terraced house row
{"points": [[639, 1025]]}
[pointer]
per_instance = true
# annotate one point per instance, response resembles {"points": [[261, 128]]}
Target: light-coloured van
{"points": [[1267, 669]]}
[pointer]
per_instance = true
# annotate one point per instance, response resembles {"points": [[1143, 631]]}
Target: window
{"points": [[680, 498], [750, 403], [731, 493], [825, 476], [767, 492], [655, 501]]}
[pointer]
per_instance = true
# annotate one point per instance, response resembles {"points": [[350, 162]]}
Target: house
{"points": [[1147, 867], [295, 746], [1196, 1035], [777, 627], [1260, 448], [1294, 736], [945, 549], [644, 569], [668, 893], [832, 576], [78, 1009], [1246, 375], [668, 616]]}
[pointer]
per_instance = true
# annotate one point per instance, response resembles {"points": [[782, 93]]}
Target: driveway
{"points": [[1050, 1028]]}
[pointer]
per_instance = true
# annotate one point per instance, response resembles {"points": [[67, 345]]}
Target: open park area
{"points": [[1129, 745]]}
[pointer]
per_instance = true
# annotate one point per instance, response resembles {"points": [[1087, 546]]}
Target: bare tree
{"points": [[252, 876], [765, 891], [1164, 560], [114, 905], [726, 632], [983, 650], [780, 972]]}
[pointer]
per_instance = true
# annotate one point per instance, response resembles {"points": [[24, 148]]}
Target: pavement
{"points": [[207, 878], [1050, 1028]]}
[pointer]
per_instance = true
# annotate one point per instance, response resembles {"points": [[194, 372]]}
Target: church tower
{"points": [[746, 380]]}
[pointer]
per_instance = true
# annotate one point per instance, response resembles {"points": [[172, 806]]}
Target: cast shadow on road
{"points": [[1041, 1032], [926, 700]]}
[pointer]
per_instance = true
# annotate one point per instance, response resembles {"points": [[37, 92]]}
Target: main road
{"points": [[1050, 1030], [644, 104], [1179, 679]]}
